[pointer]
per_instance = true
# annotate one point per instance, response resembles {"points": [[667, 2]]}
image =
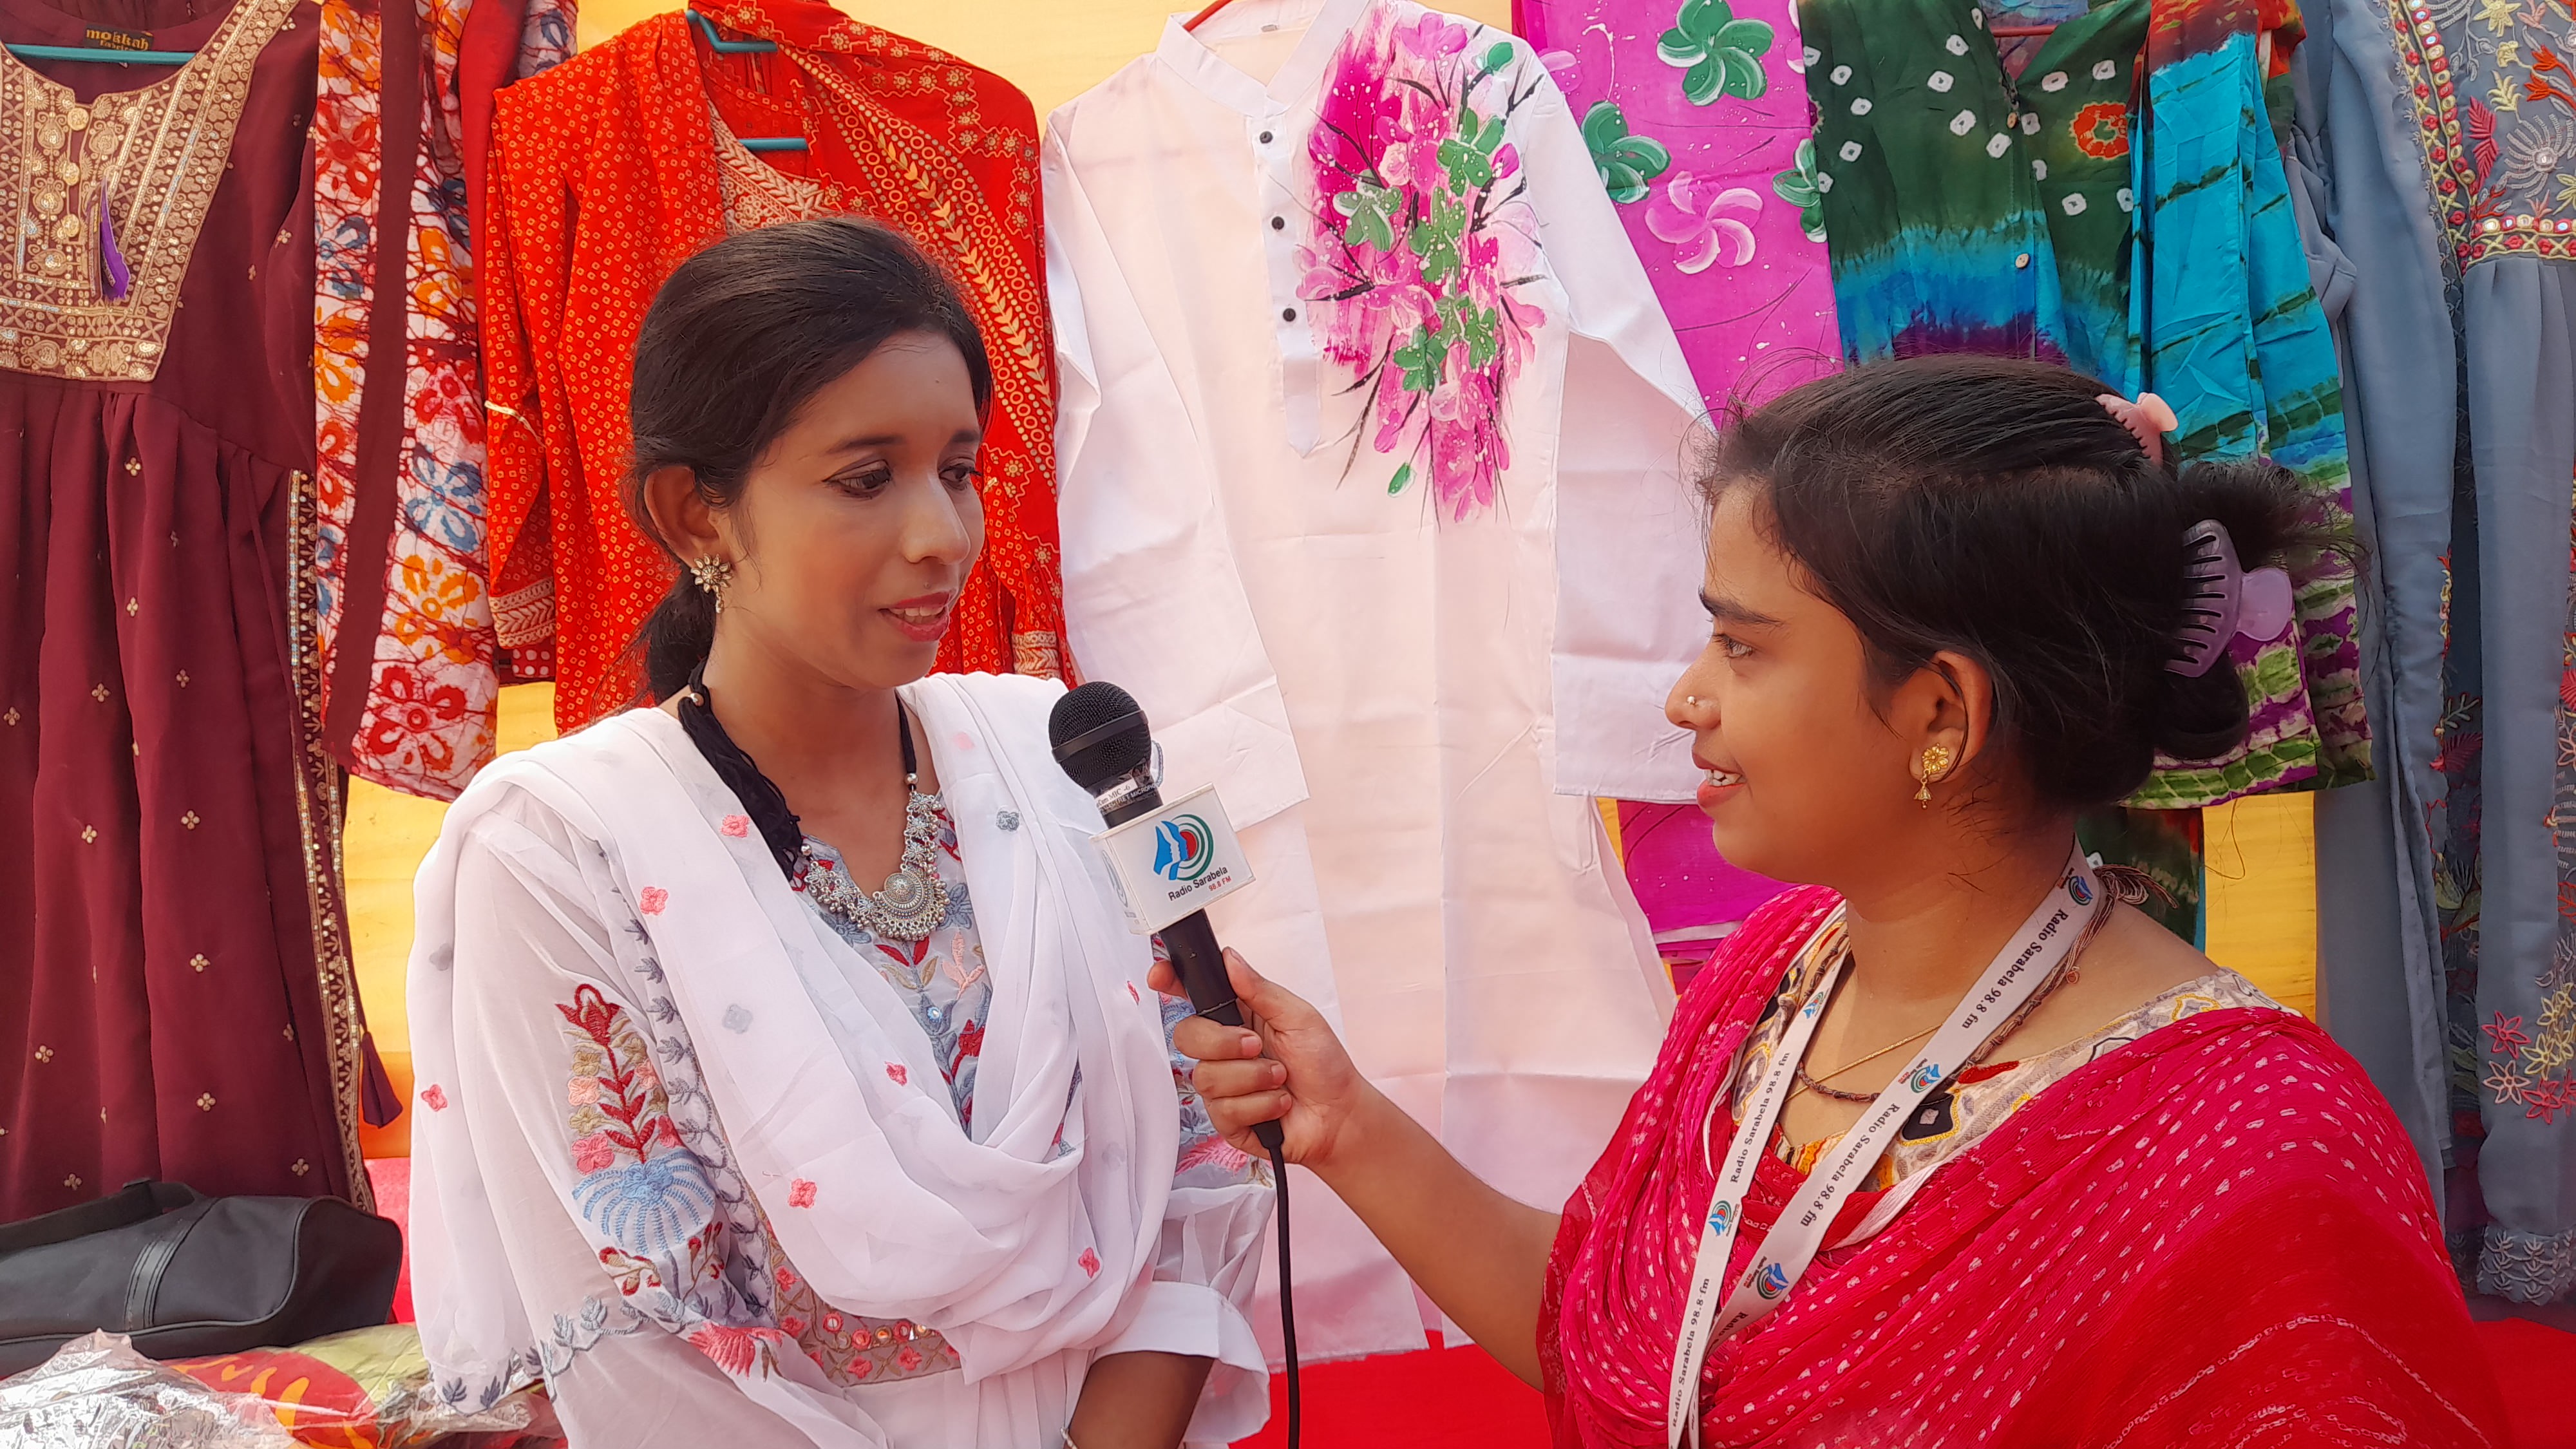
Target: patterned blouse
{"points": [[943, 979], [1962, 1111]]}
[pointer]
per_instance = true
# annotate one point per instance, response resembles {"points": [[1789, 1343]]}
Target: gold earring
{"points": [[712, 574], [1936, 767]]}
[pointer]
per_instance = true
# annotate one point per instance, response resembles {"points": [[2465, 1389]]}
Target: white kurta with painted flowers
{"points": [[1372, 446]]}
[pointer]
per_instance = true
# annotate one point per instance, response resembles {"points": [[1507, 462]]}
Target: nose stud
{"points": [[1691, 699]]}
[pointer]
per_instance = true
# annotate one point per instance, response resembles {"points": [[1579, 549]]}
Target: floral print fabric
{"points": [[430, 678], [1425, 250], [944, 981], [1696, 116]]}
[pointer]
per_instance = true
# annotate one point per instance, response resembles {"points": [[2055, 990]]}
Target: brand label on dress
{"points": [[1175, 860], [106, 38]]}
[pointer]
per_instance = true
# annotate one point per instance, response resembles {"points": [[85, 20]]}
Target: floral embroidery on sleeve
{"points": [[639, 1186], [1424, 243]]}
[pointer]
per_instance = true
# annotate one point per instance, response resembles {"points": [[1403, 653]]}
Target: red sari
{"points": [[2216, 1233]]}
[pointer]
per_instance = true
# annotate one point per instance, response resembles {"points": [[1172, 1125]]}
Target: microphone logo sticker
{"points": [[1181, 858], [1184, 848]]}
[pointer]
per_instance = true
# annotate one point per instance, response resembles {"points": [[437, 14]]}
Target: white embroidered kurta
{"points": [[1371, 446], [690, 1155]]}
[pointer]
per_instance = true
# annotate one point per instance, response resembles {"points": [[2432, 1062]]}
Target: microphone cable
{"points": [[1287, 1293]]}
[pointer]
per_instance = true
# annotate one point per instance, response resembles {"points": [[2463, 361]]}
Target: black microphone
{"points": [[1103, 742], [1101, 738]]}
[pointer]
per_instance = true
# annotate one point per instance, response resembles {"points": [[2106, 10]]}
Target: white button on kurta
{"points": [[1370, 444]]}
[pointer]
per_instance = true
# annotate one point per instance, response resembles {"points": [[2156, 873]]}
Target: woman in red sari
{"points": [[1948, 1147]]}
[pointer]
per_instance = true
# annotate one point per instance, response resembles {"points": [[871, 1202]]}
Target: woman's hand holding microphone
{"points": [[1480, 1255], [1288, 1068]]}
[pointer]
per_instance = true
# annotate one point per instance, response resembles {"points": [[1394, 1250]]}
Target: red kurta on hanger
{"points": [[608, 171]]}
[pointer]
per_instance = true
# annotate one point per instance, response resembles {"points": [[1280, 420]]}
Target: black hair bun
{"points": [[1996, 509], [2202, 718]]}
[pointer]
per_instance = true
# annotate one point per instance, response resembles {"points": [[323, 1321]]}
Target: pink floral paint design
{"points": [[1693, 213], [435, 1096], [1423, 244], [652, 899], [736, 826], [1090, 1262], [896, 1073], [800, 1193]]}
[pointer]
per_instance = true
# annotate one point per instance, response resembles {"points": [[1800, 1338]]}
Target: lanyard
{"points": [[2053, 931]]}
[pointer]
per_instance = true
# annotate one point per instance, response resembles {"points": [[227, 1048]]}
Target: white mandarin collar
{"points": [[1297, 80]]}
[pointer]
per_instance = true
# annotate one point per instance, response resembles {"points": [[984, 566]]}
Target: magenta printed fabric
{"points": [[1696, 115]]}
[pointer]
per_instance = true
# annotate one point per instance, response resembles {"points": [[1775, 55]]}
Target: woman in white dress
{"points": [[723, 1145]]}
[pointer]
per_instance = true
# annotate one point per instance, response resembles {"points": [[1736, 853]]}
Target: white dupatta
{"points": [[1031, 1237]]}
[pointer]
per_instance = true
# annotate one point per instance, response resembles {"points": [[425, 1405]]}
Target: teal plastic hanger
{"points": [[722, 46], [730, 47], [92, 52]]}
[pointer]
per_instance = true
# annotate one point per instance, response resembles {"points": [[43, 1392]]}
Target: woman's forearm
{"points": [[1480, 1255], [1137, 1401]]}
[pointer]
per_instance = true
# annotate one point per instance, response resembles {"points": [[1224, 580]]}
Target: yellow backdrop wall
{"points": [[2262, 911]]}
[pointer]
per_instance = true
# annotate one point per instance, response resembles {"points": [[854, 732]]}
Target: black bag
{"points": [[189, 1276]]}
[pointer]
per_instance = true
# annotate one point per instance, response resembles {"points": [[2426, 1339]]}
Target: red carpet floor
{"points": [[1440, 1398], [1458, 1398]]}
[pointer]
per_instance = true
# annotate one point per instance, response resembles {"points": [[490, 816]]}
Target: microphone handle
{"points": [[1191, 942]]}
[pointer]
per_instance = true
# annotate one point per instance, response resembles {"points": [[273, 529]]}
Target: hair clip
{"points": [[2148, 420], [2222, 601]]}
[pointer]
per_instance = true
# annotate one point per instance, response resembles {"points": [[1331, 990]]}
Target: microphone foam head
{"points": [[1099, 734]]}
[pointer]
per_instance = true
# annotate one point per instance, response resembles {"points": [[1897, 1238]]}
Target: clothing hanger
{"points": [[1214, 6], [722, 46], [93, 52]]}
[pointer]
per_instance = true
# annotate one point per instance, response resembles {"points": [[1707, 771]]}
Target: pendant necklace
{"points": [[2067, 969], [913, 900]]}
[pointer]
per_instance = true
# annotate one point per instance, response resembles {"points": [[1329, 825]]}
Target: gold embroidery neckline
{"points": [[757, 194], [148, 160]]}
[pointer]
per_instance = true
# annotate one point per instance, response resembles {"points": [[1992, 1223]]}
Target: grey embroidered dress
{"points": [[2436, 149]]}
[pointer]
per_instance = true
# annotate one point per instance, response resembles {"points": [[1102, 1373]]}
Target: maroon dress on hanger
{"points": [[175, 994]]}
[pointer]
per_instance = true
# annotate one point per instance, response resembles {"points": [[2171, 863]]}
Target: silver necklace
{"points": [[913, 900]]}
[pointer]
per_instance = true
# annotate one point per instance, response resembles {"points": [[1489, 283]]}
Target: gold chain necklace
{"points": [[2066, 971]]}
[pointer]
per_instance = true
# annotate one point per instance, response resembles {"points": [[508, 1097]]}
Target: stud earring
{"points": [[712, 574], [1936, 767]]}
